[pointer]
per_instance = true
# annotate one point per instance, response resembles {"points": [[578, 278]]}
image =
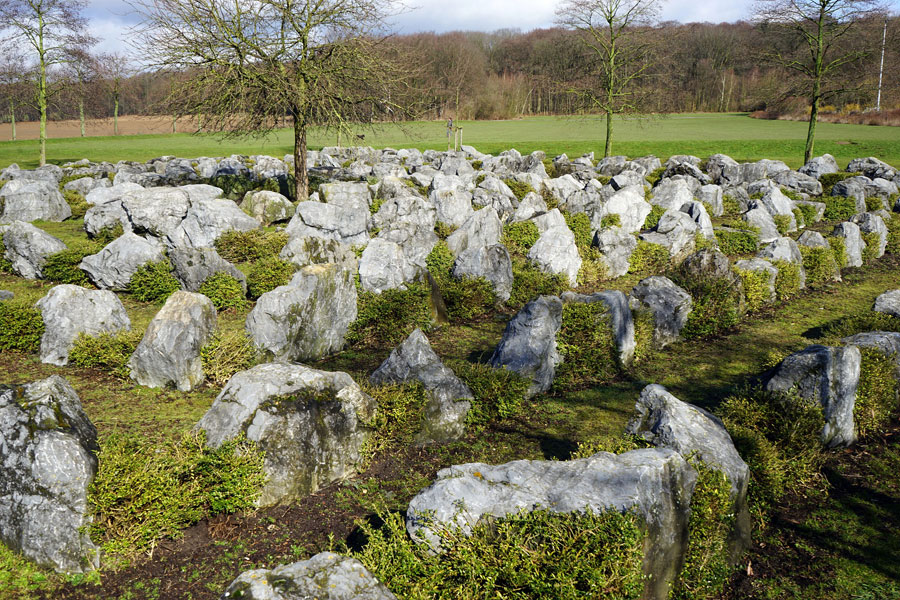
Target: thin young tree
{"points": [[114, 68], [81, 68], [49, 28], [13, 81], [616, 56], [821, 47], [249, 61]]}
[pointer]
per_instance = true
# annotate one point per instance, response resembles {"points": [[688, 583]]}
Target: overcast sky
{"points": [[110, 19]]}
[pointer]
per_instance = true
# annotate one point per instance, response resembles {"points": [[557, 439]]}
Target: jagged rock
{"points": [[697, 212], [6, 295], [799, 182], [812, 239], [445, 414], [482, 228], [761, 218], [621, 323], [68, 310], [267, 207], [885, 342], [528, 345], [561, 188], [820, 165], [325, 576], [615, 246], [549, 220], [346, 194], [657, 484], [671, 194], [627, 178], [157, 211], [759, 265], [29, 200], [304, 251], [711, 195], [872, 167], [308, 318], [206, 220], [28, 247], [85, 184], [853, 242], [112, 267], [106, 217], [193, 266], [104, 195], [871, 223], [530, 206], [331, 221], [676, 231], [383, 266], [669, 304], [631, 207], [310, 424], [783, 248], [453, 205], [47, 462], [888, 303], [169, 353], [491, 262], [854, 187], [826, 377]]}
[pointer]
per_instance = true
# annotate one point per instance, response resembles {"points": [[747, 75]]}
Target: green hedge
{"points": [[586, 345], [389, 317], [21, 326], [249, 246], [498, 393], [225, 291], [108, 352], [153, 282]]}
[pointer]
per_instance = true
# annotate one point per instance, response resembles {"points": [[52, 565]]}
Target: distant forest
{"points": [[695, 67]]}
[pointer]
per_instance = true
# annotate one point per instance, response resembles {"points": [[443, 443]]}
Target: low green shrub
{"points": [[440, 261], [76, 203], [411, 183], [235, 187], [593, 267], [443, 231], [266, 274], [717, 304], [838, 208], [153, 282], [648, 259], [401, 413], [737, 242], [227, 353], [5, 265], [586, 345], [62, 267], [809, 213], [874, 203], [520, 237], [250, 246], [893, 244], [644, 324], [389, 317], [876, 393], [466, 298], [839, 250], [756, 288], [498, 393], [782, 223], [519, 188], [793, 195], [108, 352], [477, 164], [873, 243], [549, 167], [108, 234], [549, 198], [615, 445], [529, 283], [225, 291], [829, 179], [536, 555], [730, 206], [866, 320], [654, 176], [819, 264], [21, 326], [146, 490], [580, 225], [787, 282], [652, 220]]}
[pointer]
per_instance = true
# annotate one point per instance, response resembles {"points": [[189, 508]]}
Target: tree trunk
{"points": [[12, 119], [42, 106], [301, 179], [174, 124], [813, 117], [608, 150], [81, 114], [116, 112]]}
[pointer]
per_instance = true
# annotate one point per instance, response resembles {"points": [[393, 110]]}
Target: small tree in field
{"points": [[13, 82], [821, 46], [114, 68], [251, 61], [617, 58], [49, 28]]}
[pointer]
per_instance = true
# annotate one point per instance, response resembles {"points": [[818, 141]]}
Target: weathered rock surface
{"points": [[47, 462], [631, 207], [305, 251], [206, 220], [26, 200], [820, 165], [656, 483], [445, 415], [112, 267], [308, 318], [311, 425], [169, 353], [827, 377], [384, 266], [27, 248], [68, 310], [267, 207], [193, 266], [669, 304], [889, 303], [491, 262], [325, 576], [528, 346], [616, 246], [885, 342], [555, 252], [872, 223], [675, 231], [853, 242], [346, 224]]}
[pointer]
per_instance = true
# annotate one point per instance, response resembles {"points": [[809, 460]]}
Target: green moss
{"points": [[795, 196], [648, 259], [225, 291], [5, 265], [809, 213], [615, 445], [465, 298], [580, 225], [593, 267], [498, 393], [586, 345], [654, 176], [62, 267], [756, 288], [108, 352], [717, 303], [108, 234], [529, 283], [76, 203], [21, 326], [893, 244], [153, 282], [400, 416], [866, 320], [652, 220], [874, 203], [787, 282], [730, 206], [443, 231]]}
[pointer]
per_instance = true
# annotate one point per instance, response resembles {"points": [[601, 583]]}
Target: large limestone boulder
{"points": [[113, 266], [453, 205], [630, 205], [676, 231], [655, 483], [310, 424], [491, 262], [106, 217], [853, 242], [104, 195], [445, 415], [193, 266], [308, 318], [157, 211], [669, 304], [27, 248], [888, 303], [346, 224], [826, 377], [872, 168], [528, 345], [27, 200], [206, 220], [47, 462], [384, 266], [672, 194], [555, 252], [482, 228], [305, 251], [169, 353], [873, 224], [325, 576], [616, 247], [267, 207], [619, 316], [819, 165], [885, 342], [68, 310], [761, 218]]}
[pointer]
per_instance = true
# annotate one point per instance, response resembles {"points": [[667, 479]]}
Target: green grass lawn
{"points": [[735, 134]]}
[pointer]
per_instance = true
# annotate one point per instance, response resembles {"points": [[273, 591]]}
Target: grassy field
{"points": [[735, 134]]}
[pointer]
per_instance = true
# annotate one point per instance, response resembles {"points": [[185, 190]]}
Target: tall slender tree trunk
{"points": [[301, 178], [817, 86], [81, 114], [174, 124], [116, 111], [12, 118], [608, 149], [813, 118], [42, 91]]}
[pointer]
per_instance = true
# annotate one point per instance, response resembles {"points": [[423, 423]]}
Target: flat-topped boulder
{"points": [[31, 200], [113, 267]]}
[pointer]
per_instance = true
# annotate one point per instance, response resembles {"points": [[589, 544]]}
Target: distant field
{"points": [[734, 134]]}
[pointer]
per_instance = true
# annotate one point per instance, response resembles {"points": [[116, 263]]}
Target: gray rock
{"points": [[106, 217], [28, 200], [491, 262], [656, 484], [888, 303], [872, 167], [305, 251], [826, 377], [820, 165], [28, 247], [671, 194], [631, 207], [157, 211], [812, 239], [85, 184], [331, 221], [561, 188], [885, 342], [615, 246], [853, 242], [697, 212], [325, 576], [783, 248], [47, 462], [676, 231], [453, 205], [310, 424], [626, 178], [530, 206], [761, 218], [759, 265], [669, 304], [6, 295], [871, 223], [104, 195], [308, 318], [346, 194], [620, 321], [449, 398], [112, 267], [482, 228], [854, 187], [383, 266], [799, 182], [206, 220], [723, 169], [711, 195], [819, 208], [555, 252], [267, 207], [528, 345], [68, 310], [169, 353], [193, 266]]}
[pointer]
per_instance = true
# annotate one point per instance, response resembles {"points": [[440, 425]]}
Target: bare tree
{"points": [[81, 68], [13, 80], [115, 68], [252, 60], [610, 31], [49, 28], [818, 48]]}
